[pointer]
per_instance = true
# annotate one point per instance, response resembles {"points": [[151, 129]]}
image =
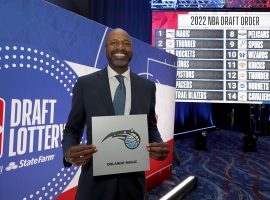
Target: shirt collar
{"points": [[112, 73]]}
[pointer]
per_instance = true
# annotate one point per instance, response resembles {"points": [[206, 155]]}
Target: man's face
{"points": [[118, 49]]}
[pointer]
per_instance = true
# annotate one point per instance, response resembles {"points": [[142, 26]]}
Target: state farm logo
{"points": [[30, 162], [11, 166], [2, 116]]}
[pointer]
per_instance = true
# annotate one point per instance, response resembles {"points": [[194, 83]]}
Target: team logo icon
{"points": [[170, 33], [170, 43], [130, 137], [242, 96], [242, 55], [242, 33], [242, 44], [242, 85], [242, 75], [242, 65]]}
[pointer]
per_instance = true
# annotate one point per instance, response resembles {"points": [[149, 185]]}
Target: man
{"points": [[93, 96]]}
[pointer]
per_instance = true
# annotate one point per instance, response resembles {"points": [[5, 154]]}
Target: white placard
{"points": [[121, 143]]}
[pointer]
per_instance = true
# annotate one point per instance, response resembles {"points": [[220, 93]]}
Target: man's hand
{"points": [[158, 151], [80, 154]]}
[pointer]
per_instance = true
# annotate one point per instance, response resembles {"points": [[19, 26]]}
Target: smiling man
{"points": [[94, 95]]}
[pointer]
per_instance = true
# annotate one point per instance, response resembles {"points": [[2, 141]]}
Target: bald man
{"points": [[140, 99]]}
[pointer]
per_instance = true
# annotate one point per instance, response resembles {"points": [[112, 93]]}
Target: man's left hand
{"points": [[158, 151]]}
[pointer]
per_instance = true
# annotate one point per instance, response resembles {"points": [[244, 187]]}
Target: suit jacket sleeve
{"points": [[73, 131], [154, 135]]}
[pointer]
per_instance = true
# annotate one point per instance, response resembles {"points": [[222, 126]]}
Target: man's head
{"points": [[119, 49]]}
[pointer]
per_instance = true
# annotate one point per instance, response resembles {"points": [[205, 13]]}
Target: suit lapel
{"points": [[103, 86]]}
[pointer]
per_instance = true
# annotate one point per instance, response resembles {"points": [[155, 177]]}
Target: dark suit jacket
{"points": [[92, 97]]}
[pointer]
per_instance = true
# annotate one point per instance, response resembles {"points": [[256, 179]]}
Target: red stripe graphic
{"points": [[2, 116]]}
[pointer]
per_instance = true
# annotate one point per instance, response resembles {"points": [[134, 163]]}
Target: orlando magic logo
{"points": [[130, 137]]}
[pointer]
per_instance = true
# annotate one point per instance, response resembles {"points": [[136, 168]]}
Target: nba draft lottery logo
{"points": [[36, 89], [130, 137]]}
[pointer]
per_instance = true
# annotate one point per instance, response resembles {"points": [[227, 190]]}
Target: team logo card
{"points": [[170, 33], [121, 143]]}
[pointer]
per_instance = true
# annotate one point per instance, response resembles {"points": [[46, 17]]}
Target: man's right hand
{"points": [[80, 154]]}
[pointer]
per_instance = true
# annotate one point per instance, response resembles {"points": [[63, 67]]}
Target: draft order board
{"points": [[222, 56]]}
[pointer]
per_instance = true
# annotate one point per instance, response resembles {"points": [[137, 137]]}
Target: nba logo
{"points": [[2, 115]]}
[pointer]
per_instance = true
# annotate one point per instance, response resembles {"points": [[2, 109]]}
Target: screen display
{"points": [[223, 57], [208, 4]]}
